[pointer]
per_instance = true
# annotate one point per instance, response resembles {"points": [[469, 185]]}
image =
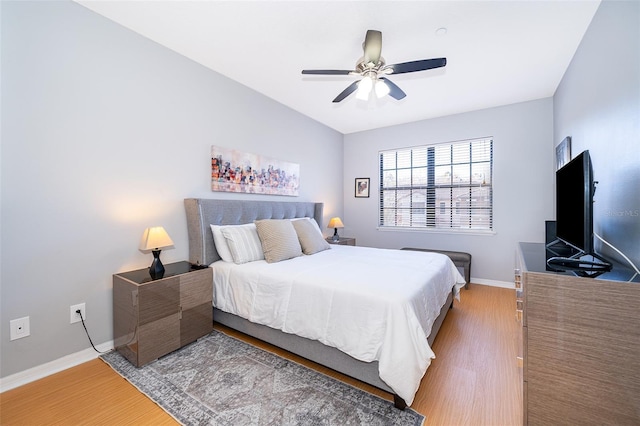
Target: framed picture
{"points": [[247, 173], [563, 152], [362, 187]]}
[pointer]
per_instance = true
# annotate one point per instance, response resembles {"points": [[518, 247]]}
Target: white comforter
{"points": [[373, 304]]}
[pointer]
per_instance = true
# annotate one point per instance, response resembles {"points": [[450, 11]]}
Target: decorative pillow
{"points": [[310, 239], [279, 239], [221, 243], [313, 222], [243, 243]]}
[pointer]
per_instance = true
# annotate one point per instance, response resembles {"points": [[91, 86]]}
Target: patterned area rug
{"points": [[220, 380]]}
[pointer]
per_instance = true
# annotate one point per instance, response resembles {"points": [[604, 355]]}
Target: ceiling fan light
{"points": [[382, 89], [364, 88]]}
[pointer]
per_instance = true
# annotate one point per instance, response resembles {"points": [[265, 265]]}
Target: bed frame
{"points": [[201, 213]]}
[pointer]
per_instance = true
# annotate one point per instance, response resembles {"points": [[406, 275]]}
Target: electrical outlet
{"points": [[74, 317], [19, 328]]}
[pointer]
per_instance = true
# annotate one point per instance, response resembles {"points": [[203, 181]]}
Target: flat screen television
{"points": [[575, 188], [574, 203]]}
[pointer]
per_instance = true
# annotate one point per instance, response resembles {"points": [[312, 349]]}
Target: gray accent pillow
{"points": [[310, 239], [279, 239], [313, 221]]}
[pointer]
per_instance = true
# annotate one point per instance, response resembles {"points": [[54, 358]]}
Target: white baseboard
{"points": [[52, 367], [493, 283]]}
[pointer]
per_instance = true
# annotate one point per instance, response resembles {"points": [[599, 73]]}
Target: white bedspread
{"points": [[373, 304]]}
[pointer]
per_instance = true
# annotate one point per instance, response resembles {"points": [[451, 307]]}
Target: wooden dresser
{"points": [[154, 317], [580, 344]]}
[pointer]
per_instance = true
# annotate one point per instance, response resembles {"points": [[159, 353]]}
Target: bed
{"points": [[379, 364]]}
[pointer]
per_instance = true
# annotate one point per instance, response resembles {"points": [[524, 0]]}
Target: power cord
{"points": [[79, 312], [635, 268]]}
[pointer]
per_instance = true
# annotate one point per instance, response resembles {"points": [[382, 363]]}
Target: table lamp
{"points": [[155, 239], [335, 223]]}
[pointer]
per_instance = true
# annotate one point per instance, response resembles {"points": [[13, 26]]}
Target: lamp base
{"points": [[335, 237], [156, 270]]}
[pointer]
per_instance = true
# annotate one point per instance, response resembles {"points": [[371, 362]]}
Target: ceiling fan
{"points": [[374, 70]]}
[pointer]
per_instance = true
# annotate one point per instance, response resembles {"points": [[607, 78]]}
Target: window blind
{"points": [[443, 186]]}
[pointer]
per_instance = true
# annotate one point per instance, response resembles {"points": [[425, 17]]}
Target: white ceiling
{"points": [[498, 52]]}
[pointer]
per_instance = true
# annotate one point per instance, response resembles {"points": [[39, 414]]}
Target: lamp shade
{"points": [[335, 222], [155, 238]]}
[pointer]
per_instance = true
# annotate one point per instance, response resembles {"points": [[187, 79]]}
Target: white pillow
{"points": [[244, 243], [221, 243]]}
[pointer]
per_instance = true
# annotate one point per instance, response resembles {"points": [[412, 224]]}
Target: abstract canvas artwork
{"points": [[247, 173]]}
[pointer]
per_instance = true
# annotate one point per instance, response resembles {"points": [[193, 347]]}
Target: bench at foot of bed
{"points": [[460, 259]]}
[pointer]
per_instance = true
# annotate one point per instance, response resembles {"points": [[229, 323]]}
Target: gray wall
{"points": [[103, 134], [523, 182], [598, 105]]}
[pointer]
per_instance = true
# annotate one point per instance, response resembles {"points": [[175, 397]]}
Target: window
{"points": [[444, 186]]}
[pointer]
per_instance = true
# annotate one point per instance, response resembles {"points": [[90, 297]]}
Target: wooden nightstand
{"points": [[154, 317], [343, 241]]}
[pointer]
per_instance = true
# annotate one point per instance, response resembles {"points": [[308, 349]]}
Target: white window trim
{"points": [[480, 232]]}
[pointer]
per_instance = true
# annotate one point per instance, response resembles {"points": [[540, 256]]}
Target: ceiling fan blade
{"points": [[328, 72], [372, 47], [394, 91], [413, 66], [346, 92]]}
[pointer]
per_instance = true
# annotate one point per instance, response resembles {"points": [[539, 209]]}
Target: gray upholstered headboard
{"points": [[203, 212]]}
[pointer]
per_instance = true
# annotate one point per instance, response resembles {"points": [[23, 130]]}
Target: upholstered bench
{"points": [[460, 259]]}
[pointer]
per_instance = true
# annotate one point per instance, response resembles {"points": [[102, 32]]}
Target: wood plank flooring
{"points": [[473, 381]]}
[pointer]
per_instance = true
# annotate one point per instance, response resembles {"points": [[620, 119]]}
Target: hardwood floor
{"points": [[473, 381], [89, 394]]}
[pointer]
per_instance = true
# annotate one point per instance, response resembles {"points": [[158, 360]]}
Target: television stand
{"points": [[561, 249], [580, 345]]}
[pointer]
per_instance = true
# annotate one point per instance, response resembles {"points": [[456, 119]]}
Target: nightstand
{"points": [[343, 241], [154, 317]]}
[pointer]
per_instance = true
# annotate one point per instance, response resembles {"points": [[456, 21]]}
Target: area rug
{"points": [[220, 380]]}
